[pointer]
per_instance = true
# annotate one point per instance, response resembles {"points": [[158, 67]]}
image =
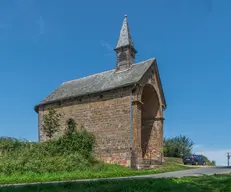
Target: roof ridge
{"points": [[87, 76]]}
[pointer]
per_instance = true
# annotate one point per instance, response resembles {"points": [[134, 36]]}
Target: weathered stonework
{"points": [[123, 108], [107, 116]]}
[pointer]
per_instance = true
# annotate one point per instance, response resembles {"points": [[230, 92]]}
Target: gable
{"points": [[152, 76], [159, 84]]}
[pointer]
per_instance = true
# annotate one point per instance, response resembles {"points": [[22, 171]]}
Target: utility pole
{"points": [[228, 157]]}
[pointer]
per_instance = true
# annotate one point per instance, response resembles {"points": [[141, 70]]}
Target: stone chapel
{"points": [[122, 107]]}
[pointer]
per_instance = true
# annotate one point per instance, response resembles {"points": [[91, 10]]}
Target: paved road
{"points": [[190, 172]]}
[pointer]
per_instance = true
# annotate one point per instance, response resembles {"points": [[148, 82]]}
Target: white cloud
{"points": [[218, 155], [106, 45]]}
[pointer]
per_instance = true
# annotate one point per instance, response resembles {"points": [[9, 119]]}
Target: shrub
{"points": [[80, 141], [72, 151], [51, 122], [178, 146]]}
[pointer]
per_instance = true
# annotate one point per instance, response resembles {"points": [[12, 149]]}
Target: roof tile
{"points": [[99, 82]]}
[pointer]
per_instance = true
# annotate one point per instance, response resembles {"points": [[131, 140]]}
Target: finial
{"points": [[125, 15]]}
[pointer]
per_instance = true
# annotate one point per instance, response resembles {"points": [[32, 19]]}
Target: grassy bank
{"points": [[67, 158], [96, 171], [217, 183]]}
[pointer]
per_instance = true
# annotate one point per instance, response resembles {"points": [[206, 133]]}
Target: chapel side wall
{"points": [[107, 116]]}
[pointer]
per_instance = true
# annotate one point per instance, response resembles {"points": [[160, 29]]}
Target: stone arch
{"points": [[151, 109]]}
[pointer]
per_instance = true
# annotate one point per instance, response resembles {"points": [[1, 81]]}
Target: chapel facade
{"points": [[122, 107]]}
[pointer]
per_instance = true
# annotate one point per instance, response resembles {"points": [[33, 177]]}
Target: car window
{"points": [[197, 157]]}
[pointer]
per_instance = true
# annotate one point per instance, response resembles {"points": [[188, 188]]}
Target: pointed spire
{"points": [[125, 38], [125, 51]]}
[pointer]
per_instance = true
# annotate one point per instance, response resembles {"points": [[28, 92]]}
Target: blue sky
{"points": [[44, 43]]}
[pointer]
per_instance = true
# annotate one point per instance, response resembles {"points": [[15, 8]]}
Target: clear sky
{"points": [[44, 43]]}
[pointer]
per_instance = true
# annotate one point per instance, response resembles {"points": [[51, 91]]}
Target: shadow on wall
{"points": [[150, 110]]}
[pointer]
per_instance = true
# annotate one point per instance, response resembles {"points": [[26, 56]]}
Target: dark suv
{"points": [[194, 160]]}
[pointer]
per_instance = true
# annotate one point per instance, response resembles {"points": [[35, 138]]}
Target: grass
{"points": [[216, 183], [67, 158], [97, 171]]}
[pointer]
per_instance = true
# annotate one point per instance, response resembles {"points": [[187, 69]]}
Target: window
{"points": [[71, 125], [122, 56]]}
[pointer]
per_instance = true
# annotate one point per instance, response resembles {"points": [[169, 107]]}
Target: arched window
{"points": [[71, 125]]}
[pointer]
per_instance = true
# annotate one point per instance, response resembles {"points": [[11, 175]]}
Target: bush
{"points": [[51, 122], [80, 141], [72, 151], [208, 162], [178, 146]]}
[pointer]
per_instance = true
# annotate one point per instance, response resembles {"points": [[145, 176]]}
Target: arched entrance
{"points": [[150, 110]]}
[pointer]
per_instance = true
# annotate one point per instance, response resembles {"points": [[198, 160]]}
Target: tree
{"points": [[178, 146], [51, 122], [208, 162]]}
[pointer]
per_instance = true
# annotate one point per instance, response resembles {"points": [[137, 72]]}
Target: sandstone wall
{"points": [[106, 115]]}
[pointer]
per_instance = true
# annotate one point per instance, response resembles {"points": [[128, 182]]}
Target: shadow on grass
{"points": [[189, 184]]}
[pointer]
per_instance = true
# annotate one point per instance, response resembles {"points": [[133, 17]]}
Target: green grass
{"points": [[218, 183], [67, 158], [97, 171]]}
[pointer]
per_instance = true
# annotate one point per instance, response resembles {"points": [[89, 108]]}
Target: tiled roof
{"points": [[99, 82]]}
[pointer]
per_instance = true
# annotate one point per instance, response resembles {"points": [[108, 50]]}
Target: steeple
{"points": [[125, 48]]}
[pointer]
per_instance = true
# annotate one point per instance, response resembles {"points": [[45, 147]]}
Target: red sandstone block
{"points": [[123, 162]]}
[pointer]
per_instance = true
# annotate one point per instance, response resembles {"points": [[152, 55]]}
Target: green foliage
{"points": [[80, 141], [213, 163], [70, 152], [51, 122], [178, 146], [8, 144], [181, 146], [208, 162], [11, 145]]}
